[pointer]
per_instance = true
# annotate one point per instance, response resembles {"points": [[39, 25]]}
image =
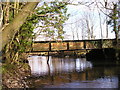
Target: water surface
{"points": [[73, 73]]}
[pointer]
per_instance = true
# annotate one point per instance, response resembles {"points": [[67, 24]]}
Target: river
{"points": [[73, 73]]}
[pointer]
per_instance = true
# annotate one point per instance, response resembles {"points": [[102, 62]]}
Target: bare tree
{"points": [[72, 30], [106, 4], [111, 10], [88, 25]]}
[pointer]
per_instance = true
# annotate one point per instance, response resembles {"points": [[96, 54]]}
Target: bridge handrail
{"points": [[70, 41]]}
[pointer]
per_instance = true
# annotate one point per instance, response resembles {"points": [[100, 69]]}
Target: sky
{"points": [[75, 25]]}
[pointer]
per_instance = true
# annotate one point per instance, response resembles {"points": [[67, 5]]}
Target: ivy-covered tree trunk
{"points": [[9, 31], [115, 22], [14, 71]]}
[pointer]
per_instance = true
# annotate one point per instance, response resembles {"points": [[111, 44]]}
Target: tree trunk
{"points": [[9, 31], [88, 28], [1, 16], [6, 12], [16, 5], [1, 24]]}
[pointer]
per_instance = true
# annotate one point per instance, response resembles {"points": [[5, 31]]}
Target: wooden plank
{"points": [[59, 46]]}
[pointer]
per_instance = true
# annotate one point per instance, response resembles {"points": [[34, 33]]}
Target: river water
{"points": [[73, 73]]}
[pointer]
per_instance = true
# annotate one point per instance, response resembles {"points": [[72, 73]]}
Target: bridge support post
{"points": [[48, 52], [84, 44], [67, 45], [48, 58], [49, 46]]}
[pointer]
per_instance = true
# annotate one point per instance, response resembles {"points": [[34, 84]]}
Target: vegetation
{"points": [[51, 15], [51, 24], [21, 24], [114, 17], [19, 21]]}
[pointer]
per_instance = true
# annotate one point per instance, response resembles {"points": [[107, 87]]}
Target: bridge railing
{"points": [[44, 46]]}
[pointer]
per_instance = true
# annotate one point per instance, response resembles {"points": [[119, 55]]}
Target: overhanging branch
{"points": [[9, 31]]}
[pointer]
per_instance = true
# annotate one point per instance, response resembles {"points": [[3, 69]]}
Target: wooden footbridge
{"points": [[72, 45]]}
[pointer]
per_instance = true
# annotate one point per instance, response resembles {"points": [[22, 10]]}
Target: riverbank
{"points": [[14, 76]]}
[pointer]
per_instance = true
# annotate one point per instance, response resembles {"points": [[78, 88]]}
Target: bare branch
{"points": [[102, 10]]}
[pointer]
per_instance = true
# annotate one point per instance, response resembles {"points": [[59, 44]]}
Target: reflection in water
{"points": [[72, 73], [99, 83], [40, 67]]}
